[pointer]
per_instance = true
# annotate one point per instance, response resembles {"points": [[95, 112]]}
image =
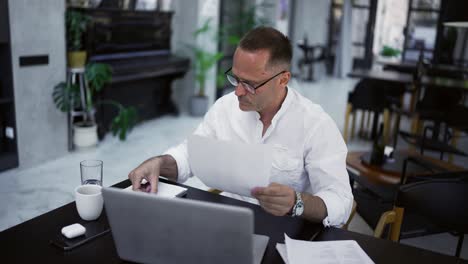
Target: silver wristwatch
{"points": [[298, 207]]}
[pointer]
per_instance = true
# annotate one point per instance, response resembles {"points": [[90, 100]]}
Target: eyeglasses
{"points": [[250, 88]]}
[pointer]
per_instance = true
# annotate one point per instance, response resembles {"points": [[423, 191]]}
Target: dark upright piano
{"points": [[136, 44]]}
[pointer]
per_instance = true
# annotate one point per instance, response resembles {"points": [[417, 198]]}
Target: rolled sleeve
{"points": [[180, 155], [326, 167]]}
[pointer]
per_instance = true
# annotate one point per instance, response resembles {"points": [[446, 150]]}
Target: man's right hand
{"points": [[148, 170]]}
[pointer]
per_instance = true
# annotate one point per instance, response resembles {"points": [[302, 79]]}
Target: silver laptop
{"points": [[151, 229]]}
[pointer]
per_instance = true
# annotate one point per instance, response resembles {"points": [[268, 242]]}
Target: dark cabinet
{"points": [[8, 147], [4, 36]]}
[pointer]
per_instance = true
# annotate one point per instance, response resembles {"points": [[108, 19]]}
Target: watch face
{"points": [[299, 209]]}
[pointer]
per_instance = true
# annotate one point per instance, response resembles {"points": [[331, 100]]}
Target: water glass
{"points": [[91, 172]]}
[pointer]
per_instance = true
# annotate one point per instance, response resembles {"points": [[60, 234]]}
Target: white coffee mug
{"points": [[89, 201]]}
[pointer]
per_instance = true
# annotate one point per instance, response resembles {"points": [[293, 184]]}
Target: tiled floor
{"points": [[27, 193]]}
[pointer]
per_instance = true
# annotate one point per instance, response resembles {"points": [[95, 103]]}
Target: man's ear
{"points": [[285, 77]]}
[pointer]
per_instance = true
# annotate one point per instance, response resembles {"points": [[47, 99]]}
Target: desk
{"points": [[28, 242]]}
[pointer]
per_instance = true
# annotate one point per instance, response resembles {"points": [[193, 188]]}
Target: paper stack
{"points": [[341, 251]]}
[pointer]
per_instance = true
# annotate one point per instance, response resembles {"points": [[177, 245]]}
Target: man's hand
{"points": [[277, 199], [148, 170]]}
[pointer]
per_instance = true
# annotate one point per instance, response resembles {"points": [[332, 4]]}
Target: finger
{"points": [[132, 176], [279, 200], [154, 184], [273, 209], [275, 190]]}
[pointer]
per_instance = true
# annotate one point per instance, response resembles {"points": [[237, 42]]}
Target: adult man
{"points": [[308, 175]]}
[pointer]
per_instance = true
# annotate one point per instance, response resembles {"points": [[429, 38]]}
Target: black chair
{"points": [[443, 201], [372, 96]]}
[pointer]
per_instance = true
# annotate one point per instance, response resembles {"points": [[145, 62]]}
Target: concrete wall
{"points": [[190, 15], [37, 27], [310, 19]]}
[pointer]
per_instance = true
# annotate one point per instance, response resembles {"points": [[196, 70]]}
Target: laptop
{"points": [[151, 229]]}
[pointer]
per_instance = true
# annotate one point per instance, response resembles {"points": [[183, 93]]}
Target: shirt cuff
{"points": [[183, 168], [335, 209]]}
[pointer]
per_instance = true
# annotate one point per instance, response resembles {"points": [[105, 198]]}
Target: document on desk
{"points": [[317, 252], [230, 166], [166, 190]]}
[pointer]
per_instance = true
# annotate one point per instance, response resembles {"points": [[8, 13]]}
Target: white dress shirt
{"points": [[309, 156]]}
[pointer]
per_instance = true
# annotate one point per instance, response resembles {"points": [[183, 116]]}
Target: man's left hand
{"points": [[277, 199]]}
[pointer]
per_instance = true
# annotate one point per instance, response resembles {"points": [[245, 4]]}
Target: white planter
{"points": [[84, 136], [198, 105]]}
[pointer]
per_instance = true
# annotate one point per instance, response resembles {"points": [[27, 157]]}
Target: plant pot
{"points": [[198, 105], [76, 59], [85, 135]]}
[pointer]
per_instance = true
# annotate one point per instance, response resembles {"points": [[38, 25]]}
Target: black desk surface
{"points": [[29, 242]]}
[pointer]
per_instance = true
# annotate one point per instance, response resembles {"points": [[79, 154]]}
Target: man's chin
{"points": [[244, 107]]}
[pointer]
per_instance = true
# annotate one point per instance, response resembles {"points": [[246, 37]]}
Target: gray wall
{"points": [[37, 27], [188, 16], [311, 19]]}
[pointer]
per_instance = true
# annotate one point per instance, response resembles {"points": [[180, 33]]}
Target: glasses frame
{"points": [[251, 89]]}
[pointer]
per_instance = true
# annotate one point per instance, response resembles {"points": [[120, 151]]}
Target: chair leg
{"points": [[395, 229], [385, 219], [386, 121], [368, 124], [396, 130], [353, 124], [361, 126], [349, 108]]}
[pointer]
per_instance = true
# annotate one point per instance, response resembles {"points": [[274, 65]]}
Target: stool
{"points": [[76, 75]]}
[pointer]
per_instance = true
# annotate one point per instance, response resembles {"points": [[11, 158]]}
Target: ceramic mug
{"points": [[89, 201]]}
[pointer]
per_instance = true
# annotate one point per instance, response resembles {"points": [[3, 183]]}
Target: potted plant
{"points": [[76, 26], [68, 97], [204, 61]]}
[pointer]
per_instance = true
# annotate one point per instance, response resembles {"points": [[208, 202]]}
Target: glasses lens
{"points": [[232, 80], [248, 87]]}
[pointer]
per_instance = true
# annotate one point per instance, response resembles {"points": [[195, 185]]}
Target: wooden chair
{"points": [[443, 201]]}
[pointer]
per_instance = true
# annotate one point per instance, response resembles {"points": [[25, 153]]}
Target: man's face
{"points": [[250, 67]]}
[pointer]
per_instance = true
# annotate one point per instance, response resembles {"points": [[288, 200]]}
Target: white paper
{"points": [[230, 166], [317, 252], [282, 251], [166, 190]]}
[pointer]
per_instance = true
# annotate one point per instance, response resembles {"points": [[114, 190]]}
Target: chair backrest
{"points": [[443, 201]]}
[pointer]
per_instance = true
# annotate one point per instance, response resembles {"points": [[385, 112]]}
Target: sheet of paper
{"points": [[282, 251], [166, 190], [230, 166], [340, 251]]}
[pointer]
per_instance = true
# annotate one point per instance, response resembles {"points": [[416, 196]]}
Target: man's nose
{"points": [[240, 90]]}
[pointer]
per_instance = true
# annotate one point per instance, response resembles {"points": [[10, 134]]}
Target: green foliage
{"points": [[388, 51], [76, 25], [124, 121], [240, 24], [204, 60], [67, 97]]}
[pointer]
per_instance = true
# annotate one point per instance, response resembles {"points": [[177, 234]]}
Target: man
{"points": [[308, 176]]}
